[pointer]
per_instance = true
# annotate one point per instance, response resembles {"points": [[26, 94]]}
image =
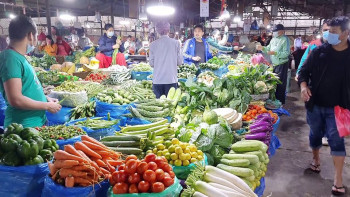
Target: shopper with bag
{"points": [[24, 95], [328, 69]]}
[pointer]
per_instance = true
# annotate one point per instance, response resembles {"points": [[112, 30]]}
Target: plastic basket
{"points": [[275, 126], [70, 141], [260, 190], [274, 145], [182, 172], [139, 76]]}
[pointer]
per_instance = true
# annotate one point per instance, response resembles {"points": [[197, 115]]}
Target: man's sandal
{"points": [[315, 168], [336, 192]]}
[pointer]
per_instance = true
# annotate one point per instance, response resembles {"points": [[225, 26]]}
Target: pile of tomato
{"points": [[151, 175], [253, 112], [96, 77]]}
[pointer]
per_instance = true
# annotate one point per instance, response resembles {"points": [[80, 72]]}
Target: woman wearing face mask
{"points": [[107, 45], [25, 98], [49, 46]]}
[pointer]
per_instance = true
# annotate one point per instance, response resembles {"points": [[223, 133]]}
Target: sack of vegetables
{"points": [[23, 160]]}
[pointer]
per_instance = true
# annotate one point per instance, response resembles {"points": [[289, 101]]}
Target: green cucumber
{"points": [[145, 126], [127, 150], [236, 162], [253, 159], [122, 144], [242, 172], [120, 138]]}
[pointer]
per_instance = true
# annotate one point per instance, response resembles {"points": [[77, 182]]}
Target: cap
{"points": [[278, 27]]}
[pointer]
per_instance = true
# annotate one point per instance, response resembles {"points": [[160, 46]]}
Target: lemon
{"points": [[171, 162], [171, 149], [188, 156], [200, 157], [178, 150], [182, 156], [177, 162], [160, 147], [193, 160], [194, 154], [149, 151], [167, 143], [199, 152], [175, 141], [193, 148], [185, 163], [187, 150], [167, 156], [173, 156], [155, 150], [159, 153], [183, 146]]}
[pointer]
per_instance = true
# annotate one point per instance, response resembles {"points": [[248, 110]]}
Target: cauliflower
{"points": [[260, 87]]}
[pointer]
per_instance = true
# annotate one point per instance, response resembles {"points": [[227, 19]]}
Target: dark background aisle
{"points": [[286, 175]]}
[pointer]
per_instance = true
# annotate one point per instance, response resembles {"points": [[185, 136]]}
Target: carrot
{"points": [[62, 155], [52, 168], [86, 150], [68, 172], [83, 168], [100, 162], [110, 167], [103, 153], [70, 149], [80, 181], [92, 140], [65, 163], [69, 181], [94, 146], [114, 162], [105, 172], [83, 155]]}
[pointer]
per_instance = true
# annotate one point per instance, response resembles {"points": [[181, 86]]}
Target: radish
{"points": [[198, 194], [228, 191], [208, 190], [218, 180]]}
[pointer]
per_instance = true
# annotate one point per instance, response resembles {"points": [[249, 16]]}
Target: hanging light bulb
{"points": [[12, 16], [161, 10], [66, 16], [237, 19], [225, 15]]}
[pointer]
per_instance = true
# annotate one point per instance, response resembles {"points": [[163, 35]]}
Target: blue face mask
{"points": [[110, 33], [30, 48], [275, 34], [333, 39], [325, 35]]}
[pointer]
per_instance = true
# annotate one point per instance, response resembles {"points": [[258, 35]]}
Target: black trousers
{"points": [[163, 89], [282, 72]]}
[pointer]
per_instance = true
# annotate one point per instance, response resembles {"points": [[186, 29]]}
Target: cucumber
{"points": [[155, 128], [257, 153], [236, 162], [250, 178], [158, 114], [253, 159], [122, 144], [149, 108], [127, 150], [248, 182], [120, 138], [242, 172], [145, 126], [247, 146], [171, 93]]}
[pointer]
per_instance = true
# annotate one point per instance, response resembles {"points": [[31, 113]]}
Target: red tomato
{"points": [[120, 188], [172, 174], [133, 189], [167, 168], [119, 176], [143, 186], [122, 167], [131, 166], [150, 157], [130, 157], [142, 167], [166, 175], [160, 175], [152, 166], [160, 162], [134, 178], [149, 176], [157, 187], [168, 181], [112, 182]]}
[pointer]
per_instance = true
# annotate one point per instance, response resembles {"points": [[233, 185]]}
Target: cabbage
{"points": [[210, 117], [260, 87], [217, 152], [221, 135], [204, 142]]}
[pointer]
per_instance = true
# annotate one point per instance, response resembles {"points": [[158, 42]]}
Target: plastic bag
{"points": [[51, 189], [275, 126], [281, 112], [260, 190], [115, 111], [172, 191], [70, 99], [139, 76], [23, 180], [274, 145], [136, 121], [218, 72], [182, 172], [70, 141], [3, 107], [60, 117], [100, 133], [342, 118]]}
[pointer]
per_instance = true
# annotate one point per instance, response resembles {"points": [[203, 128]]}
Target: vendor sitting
{"points": [[108, 43], [49, 46]]}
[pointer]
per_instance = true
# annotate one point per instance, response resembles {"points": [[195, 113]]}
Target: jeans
{"points": [[322, 123], [163, 89]]}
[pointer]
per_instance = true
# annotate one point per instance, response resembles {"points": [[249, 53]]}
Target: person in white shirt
{"points": [[165, 56], [84, 41], [74, 38], [298, 43]]}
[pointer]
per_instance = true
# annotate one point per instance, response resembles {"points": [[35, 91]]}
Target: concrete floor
{"points": [[287, 175]]}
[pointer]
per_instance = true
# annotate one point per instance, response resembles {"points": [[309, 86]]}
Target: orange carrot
{"points": [[103, 153], [104, 171], [86, 150], [100, 162], [62, 155], [110, 167], [83, 168], [92, 140], [70, 149], [65, 163], [52, 168], [83, 155], [93, 146], [114, 162], [69, 181], [80, 181], [68, 172]]}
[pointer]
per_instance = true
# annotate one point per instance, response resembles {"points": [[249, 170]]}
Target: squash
{"points": [[68, 67], [84, 60]]}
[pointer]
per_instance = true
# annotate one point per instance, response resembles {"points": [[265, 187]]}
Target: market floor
{"points": [[286, 175]]}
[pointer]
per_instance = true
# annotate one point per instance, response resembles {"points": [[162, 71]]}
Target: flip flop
{"points": [[315, 168], [336, 192]]}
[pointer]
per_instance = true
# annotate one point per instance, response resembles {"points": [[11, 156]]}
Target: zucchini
{"points": [[171, 93], [250, 178], [127, 150], [248, 182], [161, 131], [242, 172], [253, 159], [145, 126], [255, 169], [246, 146], [176, 97], [158, 114], [149, 108], [122, 144], [131, 134], [236, 162], [257, 153], [120, 138]]}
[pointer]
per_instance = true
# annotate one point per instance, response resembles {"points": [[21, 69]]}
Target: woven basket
{"points": [[260, 97]]}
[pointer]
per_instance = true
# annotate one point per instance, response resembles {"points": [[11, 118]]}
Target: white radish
{"points": [[214, 179], [231, 178], [198, 194], [208, 190], [228, 191]]}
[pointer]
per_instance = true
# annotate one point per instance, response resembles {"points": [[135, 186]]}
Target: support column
{"points": [[48, 16], [112, 12]]}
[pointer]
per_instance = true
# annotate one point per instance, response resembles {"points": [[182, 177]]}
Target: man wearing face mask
{"points": [[196, 50], [328, 69], [216, 43], [279, 51], [25, 98]]}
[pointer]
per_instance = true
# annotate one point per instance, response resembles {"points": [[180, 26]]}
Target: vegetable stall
{"points": [[213, 136]]}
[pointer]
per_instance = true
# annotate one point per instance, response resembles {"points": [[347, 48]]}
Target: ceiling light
{"points": [[12, 16], [225, 15], [160, 10], [66, 16], [177, 33], [124, 22], [268, 26], [237, 19]]}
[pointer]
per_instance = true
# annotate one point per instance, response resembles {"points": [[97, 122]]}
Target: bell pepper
{"points": [[10, 143], [13, 128], [28, 149], [47, 144], [39, 141], [35, 161], [28, 133], [54, 145], [11, 159], [46, 154]]}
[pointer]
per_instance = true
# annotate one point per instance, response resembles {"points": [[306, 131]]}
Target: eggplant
{"points": [[261, 129], [264, 117], [258, 124], [256, 136]]}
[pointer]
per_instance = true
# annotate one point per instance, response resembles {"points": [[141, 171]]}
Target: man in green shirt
{"points": [[279, 50], [24, 95]]}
